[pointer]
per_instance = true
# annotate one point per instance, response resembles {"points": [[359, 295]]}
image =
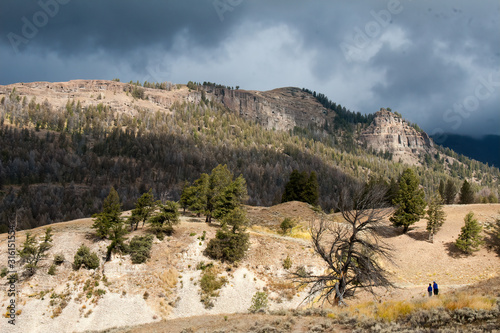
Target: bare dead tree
{"points": [[352, 249]]}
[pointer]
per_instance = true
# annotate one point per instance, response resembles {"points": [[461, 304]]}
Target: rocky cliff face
{"points": [[281, 109], [389, 132]]}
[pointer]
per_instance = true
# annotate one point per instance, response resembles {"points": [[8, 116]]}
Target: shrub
{"points": [[84, 257], [202, 266], [210, 283], [160, 231], [4, 271], [140, 248], [287, 263], [259, 302], [59, 259], [227, 246], [52, 269], [287, 225]]}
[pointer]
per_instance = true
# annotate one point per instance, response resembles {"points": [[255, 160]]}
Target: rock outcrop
{"points": [[390, 133], [280, 109]]}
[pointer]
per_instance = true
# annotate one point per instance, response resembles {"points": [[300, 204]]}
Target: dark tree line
{"points": [[302, 187]]}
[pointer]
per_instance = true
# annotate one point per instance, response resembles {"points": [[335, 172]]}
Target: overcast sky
{"points": [[436, 62]]}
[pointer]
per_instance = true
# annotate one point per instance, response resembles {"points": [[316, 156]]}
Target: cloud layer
{"points": [[438, 63]]}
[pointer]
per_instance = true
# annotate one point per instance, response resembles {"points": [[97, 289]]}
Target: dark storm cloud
{"points": [[115, 25], [420, 57]]}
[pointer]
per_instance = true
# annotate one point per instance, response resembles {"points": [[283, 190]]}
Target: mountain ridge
{"points": [[64, 145]]}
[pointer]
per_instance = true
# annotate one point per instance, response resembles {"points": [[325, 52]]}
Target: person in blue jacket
{"points": [[429, 289], [435, 287]]}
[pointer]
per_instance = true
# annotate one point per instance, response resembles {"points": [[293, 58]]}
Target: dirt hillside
{"points": [[167, 285]]}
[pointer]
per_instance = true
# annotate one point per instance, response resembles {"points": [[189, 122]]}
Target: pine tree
{"points": [[293, 188], [435, 216], [144, 206], [311, 190], [219, 181], [184, 199], [110, 216], [441, 189], [116, 234], [196, 195], [165, 219], [496, 229], [230, 198], [32, 252], [409, 201], [470, 239], [302, 187], [392, 191], [466, 194], [450, 192], [236, 219]]}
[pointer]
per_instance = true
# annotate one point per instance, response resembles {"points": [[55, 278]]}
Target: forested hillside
{"points": [[58, 163]]}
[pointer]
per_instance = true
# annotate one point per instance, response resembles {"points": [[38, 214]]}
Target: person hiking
{"points": [[429, 289], [435, 287]]}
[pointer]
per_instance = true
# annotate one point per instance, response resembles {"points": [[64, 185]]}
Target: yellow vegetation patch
{"points": [[393, 310], [300, 232], [169, 277], [262, 230]]}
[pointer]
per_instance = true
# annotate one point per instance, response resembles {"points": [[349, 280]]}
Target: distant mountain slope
{"points": [[64, 144], [485, 149]]}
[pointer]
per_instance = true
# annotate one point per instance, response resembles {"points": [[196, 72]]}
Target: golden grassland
{"points": [[394, 310]]}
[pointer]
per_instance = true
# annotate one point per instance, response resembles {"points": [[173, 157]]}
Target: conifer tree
{"points": [[302, 187], [196, 195], [110, 216], [470, 239], [441, 189], [165, 219], [409, 201], [144, 206], [311, 190], [435, 216], [32, 252], [466, 194], [450, 192], [496, 229], [293, 188]]}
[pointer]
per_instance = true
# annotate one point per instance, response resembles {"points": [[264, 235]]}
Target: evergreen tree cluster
{"points": [[345, 119], [220, 195], [302, 187]]}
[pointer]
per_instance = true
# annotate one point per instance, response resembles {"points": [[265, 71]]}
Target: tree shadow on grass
{"points": [[454, 251], [418, 235], [492, 242], [91, 236], [386, 231]]}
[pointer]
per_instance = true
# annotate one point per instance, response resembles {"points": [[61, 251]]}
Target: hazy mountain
{"points": [[485, 149]]}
